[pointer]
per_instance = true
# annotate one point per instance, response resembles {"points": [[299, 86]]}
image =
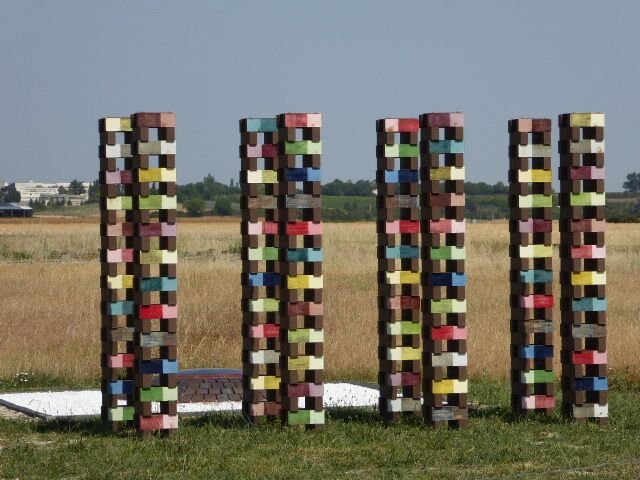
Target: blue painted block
{"points": [[448, 279], [121, 387], [589, 304], [264, 279], [159, 366], [402, 251], [124, 307], [536, 276], [401, 176], [305, 255], [262, 125], [446, 146], [594, 384], [159, 284], [536, 351], [303, 175]]}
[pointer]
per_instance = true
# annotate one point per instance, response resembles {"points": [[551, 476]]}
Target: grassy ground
{"points": [[354, 444]]}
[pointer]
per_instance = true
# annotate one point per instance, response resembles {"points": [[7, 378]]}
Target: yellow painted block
{"points": [[587, 120], [411, 278], [169, 202], [589, 278], [404, 353], [305, 362], [304, 281], [446, 387], [447, 173], [118, 124], [120, 281], [267, 382], [157, 175], [541, 176], [536, 251]]}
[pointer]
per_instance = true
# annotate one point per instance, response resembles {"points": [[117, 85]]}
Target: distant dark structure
{"points": [[15, 210]]}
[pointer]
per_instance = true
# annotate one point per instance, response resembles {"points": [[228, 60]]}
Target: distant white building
{"points": [[32, 191]]}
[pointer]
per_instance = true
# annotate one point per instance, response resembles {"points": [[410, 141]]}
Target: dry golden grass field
{"points": [[49, 297]]}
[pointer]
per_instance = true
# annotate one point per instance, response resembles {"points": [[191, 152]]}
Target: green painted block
{"points": [[410, 328], [541, 201], [408, 150], [448, 305], [159, 394], [127, 203], [152, 202], [305, 417], [538, 376], [121, 414], [265, 253], [308, 335], [587, 199], [303, 147], [448, 253]]}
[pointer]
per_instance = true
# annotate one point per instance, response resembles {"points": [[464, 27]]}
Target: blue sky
{"points": [[64, 64]]}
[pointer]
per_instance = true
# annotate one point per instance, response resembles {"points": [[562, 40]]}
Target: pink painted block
{"points": [[535, 226], [445, 119], [254, 228], [403, 303], [449, 332], [118, 177], [408, 125], [302, 120], [402, 226], [535, 301], [538, 401], [404, 379], [120, 255], [158, 422], [169, 311], [391, 124], [588, 251], [122, 360], [392, 227], [305, 390], [586, 173], [267, 330], [120, 230], [305, 309], [269, 150], [447, 226], [588, 225], [158, 230], [254, 151]]}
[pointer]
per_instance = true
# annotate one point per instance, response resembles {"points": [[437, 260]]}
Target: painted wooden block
{"points": [[161, 229], [532, 402], [404, 353], [402, 226], [305, 362], [536, 351], [448, 253], [307, 335], [264, 279], [158, 202], [403, 379], [119, 177], [536, 276], [121, 360], [536, 251], [158, 422], [155, 119], [158, 339], [449, 359], [303, 147], [587, 199], [535, 226], [446, 200], [589, 357], [534, 201], [535, 176], [302, 200], [159, 394], [158, 284], [590, 411], [307, 309], [589, 304], [123, 307], [305, 255], [302, 120], [117, 124], [264, 305], [121, 387], [264, 253], [588, 330], [402, 251], [447, 173], [120, 281], [265, 382], [444, 120], [121, 414], [402, 302], [267, 330], [534, 150], [586, 146], [536, 301], [305, 390], [403, 328], [594, 384], [586, 120], [446, 146], [587, 173], [304, 281], [447, 414], [166, 257], [401, 176], [402, 278], [304, 228], [447, 226], [120, 255], [588, 278], [449, 386], [264, 357], [404, 405], [448, 305], [159, 366], [537, 376], [448, 333], [119, 203], [305, 417], [158, 147], [268, 125], [401, 150], [117, 151], [157, 175], [448, 279], [588, 251]]}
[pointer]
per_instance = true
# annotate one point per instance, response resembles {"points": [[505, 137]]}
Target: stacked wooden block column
{"points": [[531, 275], [301, 256], [443, 264], [116, 280], [155, 258], [583, 301], [260, 277], [398, 228]]}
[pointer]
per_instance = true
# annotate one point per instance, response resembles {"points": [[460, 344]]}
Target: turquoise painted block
{"points": [[589, 304], [402, 251], [159, 284], [120, 308], [262, 125], [536, 276], [305, 255], [446, 146]]}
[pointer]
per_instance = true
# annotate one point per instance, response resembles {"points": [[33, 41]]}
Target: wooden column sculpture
{"points": [[301, 257], [398, 228], [531, 275], [260, 268], [116, 276], [443, 265], [583, 302], [155, 258]]}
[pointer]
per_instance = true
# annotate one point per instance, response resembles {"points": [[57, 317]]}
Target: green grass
{"points": [[354, 444]]}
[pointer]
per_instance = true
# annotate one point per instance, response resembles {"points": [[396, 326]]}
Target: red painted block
{"points": [[404, 303], [586, 173], [449, 333], [302, 120], [589, 357], [269, 330], [269, 150], [304, 228], [445, 119], [409, 226], [404, 379], [408, 125], [155, 119], [149, 312], [305, 390], [159, 422], [270, 228], [543, 301], [588, 225]]}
